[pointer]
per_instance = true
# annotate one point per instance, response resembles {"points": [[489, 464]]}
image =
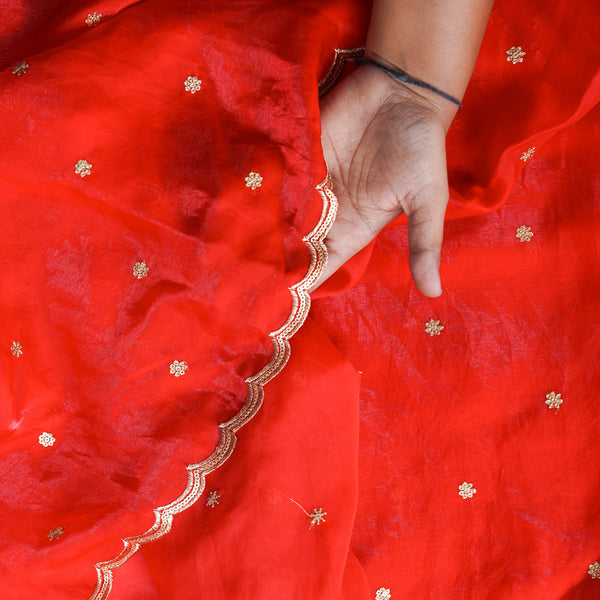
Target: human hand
{"points": [[384, 145]]}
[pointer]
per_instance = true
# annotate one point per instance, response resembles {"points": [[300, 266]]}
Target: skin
{"points": [[384, 141]]}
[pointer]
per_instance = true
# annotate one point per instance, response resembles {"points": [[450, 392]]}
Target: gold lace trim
{"points": [[281, 352], [342, 55]]}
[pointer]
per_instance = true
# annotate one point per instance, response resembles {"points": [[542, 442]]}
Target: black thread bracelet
{"points": [[406, 78]]}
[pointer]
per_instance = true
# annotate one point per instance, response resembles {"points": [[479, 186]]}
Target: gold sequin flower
{"points": [[20, 68], [466, 490], [527, 154], [16, 349], [515, 55], [553, 400], [524, 233], [254, 180], [594, 570], [317, 516], [383, 594], [83, 167], [46, 439], [93, 19], [178, 368], [192, 84], [54, 534], [433, 327], [213, 499], [140, 269]]}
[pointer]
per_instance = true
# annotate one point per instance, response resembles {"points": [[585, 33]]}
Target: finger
{"points": [[334, 261], [343, 241], [425, 234]]}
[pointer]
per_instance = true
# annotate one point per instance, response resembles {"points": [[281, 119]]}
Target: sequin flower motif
{"points": [[54, 534], [46, 439], [466, 490], [317, 516], [213, 499], [433, 327], [383, 594], [594, 570], [192, 84], [178, 368], [20, 68], [553, 400], [83, 167], [527, 154], [524, 233], [93, 19], [140, 269], [515, 54], [254, 180], [16, 349]]}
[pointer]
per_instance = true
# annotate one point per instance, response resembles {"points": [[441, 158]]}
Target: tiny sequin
{"points": [[213, 499], [524, 233], [433, 327], [466, 490], [383, 594], [178, 368], [594, 570], [46, 439], [54, 534], [20, 68], [527, 154], [317, 516], [254, 180], [140, 269], [553, 400], [93, 19], [16, 349], [192, 84], [83, 167], [515, 55]]}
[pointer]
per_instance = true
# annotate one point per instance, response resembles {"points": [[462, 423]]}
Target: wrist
{"points": [[444, 108]]}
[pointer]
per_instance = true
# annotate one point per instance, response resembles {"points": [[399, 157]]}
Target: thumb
{"points": [[425, 234]]}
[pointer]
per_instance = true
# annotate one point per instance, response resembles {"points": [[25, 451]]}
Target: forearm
{"points": [[435, 41]]}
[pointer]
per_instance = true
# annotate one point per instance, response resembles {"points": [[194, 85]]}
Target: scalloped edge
{"points": [[342, 56], [197, 472]]}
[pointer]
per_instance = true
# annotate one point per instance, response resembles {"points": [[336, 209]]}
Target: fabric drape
{"points": [[163, 201]]}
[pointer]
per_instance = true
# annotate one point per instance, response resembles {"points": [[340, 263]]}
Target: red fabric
{"points": [[382, 454], [520, 321]]}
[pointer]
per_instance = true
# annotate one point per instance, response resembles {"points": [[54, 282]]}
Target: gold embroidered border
{"points": [[342, 55], [281, 352]]}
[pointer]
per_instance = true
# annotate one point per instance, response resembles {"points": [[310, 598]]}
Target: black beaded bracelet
{"points": [[406, 78]]}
